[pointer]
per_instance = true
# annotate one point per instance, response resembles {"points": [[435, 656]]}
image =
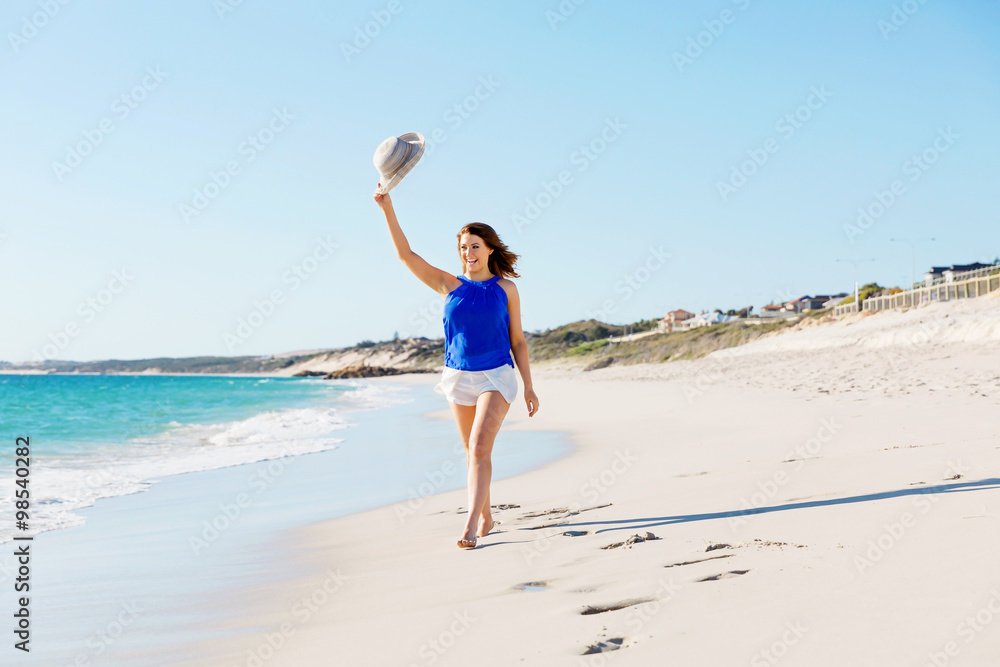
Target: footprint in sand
{"points": [[758, 543], [612, 644], [564, 511], [614, 606], [533, 586], [546, 525], [498, 508], [700, 560], [635, 539], [724, 575], [536, 515]]}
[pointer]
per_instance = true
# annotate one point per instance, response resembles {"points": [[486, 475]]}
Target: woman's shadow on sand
{"points": [[650, 522]]}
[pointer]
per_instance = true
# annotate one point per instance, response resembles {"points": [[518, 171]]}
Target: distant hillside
{"points": [[411, 353], [584, 343], [574, 338], [159, 365], [678, 345]]}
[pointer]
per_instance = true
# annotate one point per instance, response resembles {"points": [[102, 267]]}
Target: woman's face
{"points": [[474, 251]]}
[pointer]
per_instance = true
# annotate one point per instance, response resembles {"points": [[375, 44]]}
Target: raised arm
{"points": [[438, 280]]}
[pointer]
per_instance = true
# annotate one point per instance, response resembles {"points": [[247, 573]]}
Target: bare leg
{"points": [[465, 416], [491, 408]]}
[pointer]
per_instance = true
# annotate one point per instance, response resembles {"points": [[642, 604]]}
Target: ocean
{"points": [[99, 436], [149, 492]]}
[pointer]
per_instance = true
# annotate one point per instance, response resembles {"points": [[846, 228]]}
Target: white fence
{"points": [[953, 286], [949, 277], [851, 307], [982, 283], [959, 286]]}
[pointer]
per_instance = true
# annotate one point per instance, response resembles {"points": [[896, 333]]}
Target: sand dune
{"points": [[960, 321]]}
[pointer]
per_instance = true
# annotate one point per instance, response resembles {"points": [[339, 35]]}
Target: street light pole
{"points": [[854, 263], [913, 258]]}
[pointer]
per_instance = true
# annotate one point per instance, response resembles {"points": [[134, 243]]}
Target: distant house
{"points": [[835, 299], [820, 302], [794, 306], [706, 320], [673, 319], [947, 273], [772, 310]]}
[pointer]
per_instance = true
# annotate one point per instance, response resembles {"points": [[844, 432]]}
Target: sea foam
{"points": [[60, 485]]}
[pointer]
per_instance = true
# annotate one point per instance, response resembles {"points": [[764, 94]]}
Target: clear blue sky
{"points": [[883, 88]]}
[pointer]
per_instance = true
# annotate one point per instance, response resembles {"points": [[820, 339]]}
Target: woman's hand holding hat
{"points": [[382, 198]]}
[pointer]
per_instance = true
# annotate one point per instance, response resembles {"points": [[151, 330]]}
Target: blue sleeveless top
{"points": [[476, 326]]}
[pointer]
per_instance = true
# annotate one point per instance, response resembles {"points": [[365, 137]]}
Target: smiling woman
{"points": [[482, 324]]}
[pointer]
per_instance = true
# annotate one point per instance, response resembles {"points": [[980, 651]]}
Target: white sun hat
{"points": [[395, 157]]}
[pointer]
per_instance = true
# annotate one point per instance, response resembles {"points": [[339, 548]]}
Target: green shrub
{"points": [[586, 348]]}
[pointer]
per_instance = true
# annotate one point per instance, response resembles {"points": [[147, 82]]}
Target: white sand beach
{"points": [[825, 496]]}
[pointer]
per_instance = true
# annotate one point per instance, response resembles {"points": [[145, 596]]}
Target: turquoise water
{"points": [[176, 549], [70, 413], [98, 436]]}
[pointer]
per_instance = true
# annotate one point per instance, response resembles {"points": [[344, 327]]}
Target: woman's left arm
{"points": [[519, 347]]}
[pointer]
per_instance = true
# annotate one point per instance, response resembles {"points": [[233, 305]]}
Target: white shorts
{"points": [[464, 387]]}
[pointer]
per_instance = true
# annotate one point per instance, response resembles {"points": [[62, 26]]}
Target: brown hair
{"points": [[501, 262]]}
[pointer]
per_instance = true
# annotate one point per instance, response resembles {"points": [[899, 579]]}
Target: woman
{"points": [[482, 324]]}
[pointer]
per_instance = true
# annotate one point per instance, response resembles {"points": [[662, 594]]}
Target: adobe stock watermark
{"points": [[102, 640], [591, 492], [8, 567], [294, 278], [779, 648], [301, 612], [968, 629], [631, 283], [248, 150], [894, 531], [96, 479], [899, 361], [636, 618], [713, 369], [901, 13], [432, 312], [121, 107], [581, 158], [87, 310], [704, 39], [435, 647], [768, 489], [459, 112], [31, 25], [264, 475], [786, 126], [595, 487], [562, 12], [224, 7], [915, 167], [363, 35], [639, 615], [434, 482]]}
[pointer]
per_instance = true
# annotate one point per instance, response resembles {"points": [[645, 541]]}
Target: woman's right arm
{"points": [[438, 280]]}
